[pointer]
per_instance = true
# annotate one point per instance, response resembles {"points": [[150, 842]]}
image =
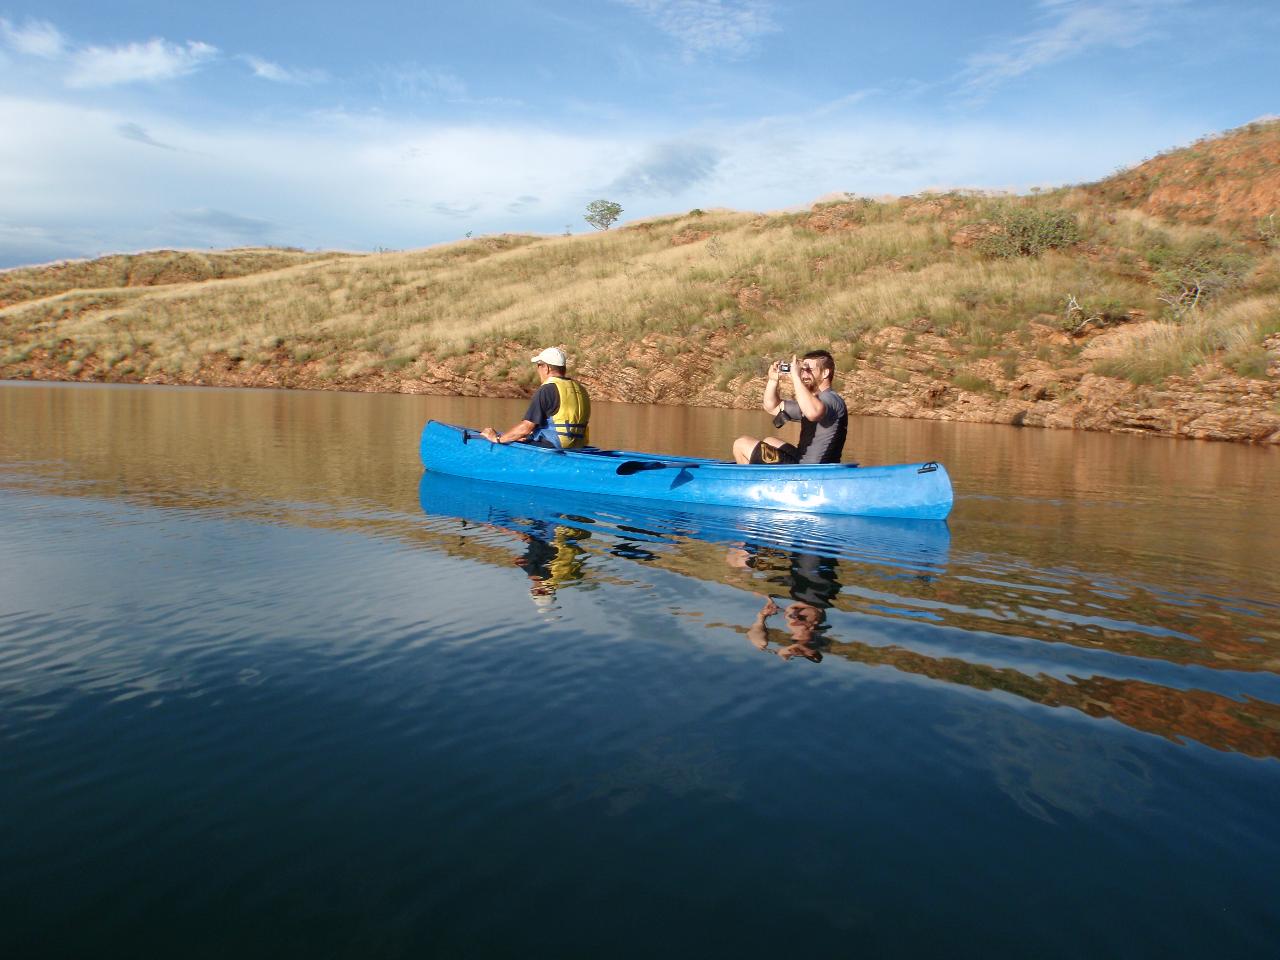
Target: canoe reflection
{"points": [[630, 523], [793, 555]]}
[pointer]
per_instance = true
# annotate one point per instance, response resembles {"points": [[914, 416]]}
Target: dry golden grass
{"points": [[1235, 333], [155, 268], [783, 282]]}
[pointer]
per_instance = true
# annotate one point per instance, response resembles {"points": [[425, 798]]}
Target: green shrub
{"points": [[1189, 275], [972, 383], [1100, 311], [1028, 232], [1269, 230], [1249, 362]]}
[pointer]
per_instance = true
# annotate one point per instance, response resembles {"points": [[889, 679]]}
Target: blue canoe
{"points": [[917, 491]]}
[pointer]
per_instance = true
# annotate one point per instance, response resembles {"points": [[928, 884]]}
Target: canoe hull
{"points": [[910, 491]]}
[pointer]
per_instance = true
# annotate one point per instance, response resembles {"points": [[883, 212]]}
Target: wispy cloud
{"points": [[668, 169], [138, 134], [267, 70], [455, 210], [35, 38], [227, 224], [710, 28], [412, 80], [151, 61], [522, 203], [1071, 28]]}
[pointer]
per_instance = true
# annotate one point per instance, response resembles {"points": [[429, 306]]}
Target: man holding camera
{"points": [[823, 416]]}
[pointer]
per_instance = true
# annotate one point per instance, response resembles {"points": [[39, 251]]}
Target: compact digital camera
{"points": [[784, 366]]}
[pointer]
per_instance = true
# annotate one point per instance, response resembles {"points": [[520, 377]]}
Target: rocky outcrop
{"points": [[909, 373]]}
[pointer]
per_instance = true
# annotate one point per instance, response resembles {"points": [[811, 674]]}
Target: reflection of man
{"points": [[551, 559], [559, 412], [803, 620], [824, 419], [812, 583]]}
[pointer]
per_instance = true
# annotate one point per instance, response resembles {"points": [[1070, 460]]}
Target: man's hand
{"points": [[490, 434], [774, 372]]}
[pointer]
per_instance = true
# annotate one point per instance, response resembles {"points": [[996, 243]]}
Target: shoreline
{"points": [[1223, 408]]}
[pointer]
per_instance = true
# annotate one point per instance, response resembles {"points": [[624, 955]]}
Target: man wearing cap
{"points": [[559, 411]]}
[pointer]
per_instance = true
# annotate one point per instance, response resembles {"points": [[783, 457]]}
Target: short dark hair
{"points": [[828, 361]]}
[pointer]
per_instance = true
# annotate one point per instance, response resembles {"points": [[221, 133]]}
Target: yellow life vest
{"points": [[568, 425]]}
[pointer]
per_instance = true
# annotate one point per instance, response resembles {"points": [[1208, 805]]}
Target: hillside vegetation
{"points": [[157, 268], [1100, 307]]}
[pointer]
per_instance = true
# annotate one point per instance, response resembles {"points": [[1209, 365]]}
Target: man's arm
{"points": [[772, 403], [758, 633], [539, 409], [518, 432], [812, 408]]}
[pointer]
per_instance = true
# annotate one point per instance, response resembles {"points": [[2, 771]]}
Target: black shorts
{"points": [[767, 453]]}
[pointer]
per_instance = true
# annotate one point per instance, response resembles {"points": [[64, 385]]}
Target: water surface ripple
{"points": [[267, 689]]}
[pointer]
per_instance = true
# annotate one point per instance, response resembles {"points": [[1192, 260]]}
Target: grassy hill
{"points": [[1108, 306], [157, 268]]}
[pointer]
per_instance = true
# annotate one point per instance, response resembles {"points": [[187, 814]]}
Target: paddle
{"points": [[629, 467]]}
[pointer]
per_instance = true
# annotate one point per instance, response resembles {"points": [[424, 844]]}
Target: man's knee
{"points": [[772, 450], [742, 448]]}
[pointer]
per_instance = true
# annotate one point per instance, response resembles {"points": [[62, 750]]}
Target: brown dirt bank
{"points": [[900, 377]]}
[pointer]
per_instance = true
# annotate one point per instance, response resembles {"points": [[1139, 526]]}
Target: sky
{"points": [[137, 125]]}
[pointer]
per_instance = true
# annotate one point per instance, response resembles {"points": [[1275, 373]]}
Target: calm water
{"points": [[267, 691]]}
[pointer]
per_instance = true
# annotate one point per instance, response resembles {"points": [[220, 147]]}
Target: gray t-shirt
{"points": [[821, 441]]}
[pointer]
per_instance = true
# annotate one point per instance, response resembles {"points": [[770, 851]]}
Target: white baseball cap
{"points": [[552, 357]]}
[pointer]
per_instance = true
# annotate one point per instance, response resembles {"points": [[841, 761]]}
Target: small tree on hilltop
{"points": [[602, 214]]}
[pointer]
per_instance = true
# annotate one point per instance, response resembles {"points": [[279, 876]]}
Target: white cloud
{"points": [[267, 70], [1072, 28], [726, 28], [77, 184], [154, 60], [35, 38]]}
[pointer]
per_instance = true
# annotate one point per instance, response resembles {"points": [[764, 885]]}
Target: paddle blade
{"points": [[628, 467]]}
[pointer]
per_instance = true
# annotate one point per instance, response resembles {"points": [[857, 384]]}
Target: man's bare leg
{"points": [[743, 446]]}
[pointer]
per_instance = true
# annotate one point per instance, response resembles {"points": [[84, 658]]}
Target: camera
{"points": [[784, 367]]}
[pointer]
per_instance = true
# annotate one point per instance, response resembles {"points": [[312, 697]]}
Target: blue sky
{"points": [[136, 125]]}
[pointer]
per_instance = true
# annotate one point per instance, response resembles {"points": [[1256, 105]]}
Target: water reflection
{"points": [[870, 591], [553, 558], [1062, 579], [811, 584], [237, 657]]}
